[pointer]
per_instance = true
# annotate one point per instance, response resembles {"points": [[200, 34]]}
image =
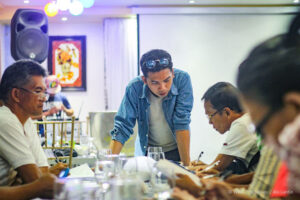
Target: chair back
{"points": [[58, 136]]}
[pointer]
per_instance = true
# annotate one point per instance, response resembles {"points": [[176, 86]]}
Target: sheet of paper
{"points": [[81, 171], [168, 168]]}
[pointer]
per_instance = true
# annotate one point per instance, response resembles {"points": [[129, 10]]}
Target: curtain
{"points": [[120, 58]]}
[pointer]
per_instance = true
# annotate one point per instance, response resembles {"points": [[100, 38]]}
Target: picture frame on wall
{"points": [[67, 61]]}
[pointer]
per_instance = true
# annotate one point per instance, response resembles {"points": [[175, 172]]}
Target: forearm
{"points": [[115, 146], [27, 191], [69, 112], [224, 162], [183, 143], [44, 169], [37, 117], [29, 172], [240, 179]]}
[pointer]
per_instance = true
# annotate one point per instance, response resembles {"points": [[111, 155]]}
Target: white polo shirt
{"points": [[240, 142], [19, 145]]}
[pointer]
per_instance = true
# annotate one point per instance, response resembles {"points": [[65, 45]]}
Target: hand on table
{"points": [[197, 163], [206, 172], [56, 169], [195, 168], [180, 194], [218, 190], [45, 185], [185, 182]]}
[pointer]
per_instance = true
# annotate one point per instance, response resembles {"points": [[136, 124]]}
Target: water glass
{"points": [[126, 188], [161, 185], [102, 153], [92, 148], [154, 149], [67, 189], [84, 144], [104, 171], [156, 153], [115, 158]]}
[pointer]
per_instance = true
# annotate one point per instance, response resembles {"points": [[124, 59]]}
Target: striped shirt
{"points": [[264, 177]]}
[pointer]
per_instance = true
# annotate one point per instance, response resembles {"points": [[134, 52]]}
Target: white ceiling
{"points": [[130, 3]]}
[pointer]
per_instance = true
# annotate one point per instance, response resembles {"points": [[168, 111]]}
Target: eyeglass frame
{"points": [[212, 115], [41, 95], [260, 125], [160, 61]]}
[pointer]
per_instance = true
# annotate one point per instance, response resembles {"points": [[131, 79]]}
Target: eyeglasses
{"points": [[150, 64], [212, 115], [41, 95], [259, 127]]}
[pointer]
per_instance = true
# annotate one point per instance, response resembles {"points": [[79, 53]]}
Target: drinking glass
{"points": [[84, 144], [104, 171], [92, 149], [102, 153], [67, 189], [128, 187], [154, 149], [155, 153], [115, 158], [161, 185]]}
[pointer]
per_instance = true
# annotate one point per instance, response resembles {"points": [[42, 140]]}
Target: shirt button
{"points": [[144, 147]]}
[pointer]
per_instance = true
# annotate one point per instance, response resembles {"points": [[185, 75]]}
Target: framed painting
{"points": [[67, 60]]}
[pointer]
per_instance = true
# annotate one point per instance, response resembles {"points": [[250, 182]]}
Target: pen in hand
{"points": [[200, 155], [212, 165]]}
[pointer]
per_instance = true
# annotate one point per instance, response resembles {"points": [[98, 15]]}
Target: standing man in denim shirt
{"points": [[161, 102]]}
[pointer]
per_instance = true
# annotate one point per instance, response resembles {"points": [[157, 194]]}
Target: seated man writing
{"points": [[224, 112], [22, 90]]}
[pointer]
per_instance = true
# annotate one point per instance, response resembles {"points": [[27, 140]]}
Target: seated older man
{"points": [[239, 152], [22, 90]]}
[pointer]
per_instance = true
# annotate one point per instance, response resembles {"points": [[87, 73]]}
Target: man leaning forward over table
{"points": [[161, 101], [22, 90]]}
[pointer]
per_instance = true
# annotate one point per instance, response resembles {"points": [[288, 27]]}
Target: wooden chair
{"points": [[56, 133]]}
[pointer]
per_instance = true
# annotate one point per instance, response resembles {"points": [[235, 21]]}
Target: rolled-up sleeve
{"points": [[184, 103], [126, 117]]}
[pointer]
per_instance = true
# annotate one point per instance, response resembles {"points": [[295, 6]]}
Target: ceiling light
{"points": [[191, 1], [51, 9], [64, 19], [26, 1], [87, 3], [63, 5], [76, 8], [296, 1]]}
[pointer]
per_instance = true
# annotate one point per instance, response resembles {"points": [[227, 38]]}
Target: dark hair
{"points": [[155, 54], [271, 70], [19, 74], [223, 94]]}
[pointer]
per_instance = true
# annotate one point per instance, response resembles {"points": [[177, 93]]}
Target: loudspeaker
{"points": [[29, 35]]}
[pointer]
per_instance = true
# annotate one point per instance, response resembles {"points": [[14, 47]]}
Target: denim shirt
{"points": [[135, 106]]}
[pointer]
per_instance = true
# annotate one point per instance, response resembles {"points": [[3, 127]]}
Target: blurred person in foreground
{"points": [[22, 90], [161, 102], [270, 86], [239, 152]]}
